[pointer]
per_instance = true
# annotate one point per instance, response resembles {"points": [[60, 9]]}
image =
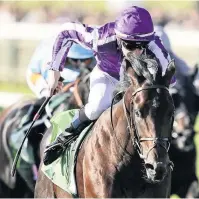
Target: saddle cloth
{"points": [[62, 171]]}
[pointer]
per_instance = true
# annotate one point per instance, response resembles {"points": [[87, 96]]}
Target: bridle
{"points": [[130, 117], [76, 91]]}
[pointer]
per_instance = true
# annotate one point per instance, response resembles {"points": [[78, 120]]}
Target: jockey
{"points": [[132, 31], [37, 72]]}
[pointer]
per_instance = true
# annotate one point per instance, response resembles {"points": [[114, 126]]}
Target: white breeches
{"points": [[102, 86]]}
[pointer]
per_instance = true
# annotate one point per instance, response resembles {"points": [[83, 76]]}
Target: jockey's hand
{"points": [[45, 91], [53, 83]]}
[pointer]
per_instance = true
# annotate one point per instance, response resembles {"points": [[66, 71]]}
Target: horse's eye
{"points": [[138, 113]]}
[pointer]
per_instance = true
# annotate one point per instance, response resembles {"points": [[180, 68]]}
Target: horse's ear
{"points": [[169, 72]]}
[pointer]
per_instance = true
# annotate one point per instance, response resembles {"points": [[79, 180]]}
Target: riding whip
{"points": [[37, 115]]}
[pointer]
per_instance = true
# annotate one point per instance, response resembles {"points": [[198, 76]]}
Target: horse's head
{"points": [[150, 110], [188, 92], [183, 129], [183, 133]]}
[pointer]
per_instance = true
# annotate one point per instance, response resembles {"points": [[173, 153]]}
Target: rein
{"points": [[67, 87], [130, 117], [76, 92]]}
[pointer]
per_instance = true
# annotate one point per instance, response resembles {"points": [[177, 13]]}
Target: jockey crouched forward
{"points": [[132, 31], [37, 72]]}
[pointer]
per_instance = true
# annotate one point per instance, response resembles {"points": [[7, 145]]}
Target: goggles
{"points": [[132, 45], [77, 61]]}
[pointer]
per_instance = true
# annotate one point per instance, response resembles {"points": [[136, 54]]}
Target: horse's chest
{"points": [[128, 184]]}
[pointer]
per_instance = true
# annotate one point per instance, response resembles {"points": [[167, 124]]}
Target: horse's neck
{"points": [[116, 144], [106, 156]]}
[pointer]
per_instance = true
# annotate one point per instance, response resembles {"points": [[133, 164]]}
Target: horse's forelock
{"points": [[152, 69], [146, 65]]}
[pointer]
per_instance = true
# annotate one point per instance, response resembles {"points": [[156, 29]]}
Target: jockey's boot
{"points": [[54, 150]]}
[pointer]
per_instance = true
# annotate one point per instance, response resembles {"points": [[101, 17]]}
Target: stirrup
{"points": [[70, 139]]}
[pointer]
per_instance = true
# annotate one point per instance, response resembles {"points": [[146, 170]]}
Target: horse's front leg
{"points": [[44, 186]]}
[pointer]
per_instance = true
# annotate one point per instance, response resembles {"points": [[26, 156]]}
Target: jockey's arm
{"points": [[35, 77], [37, 83], [72, 32], [162, 54]]}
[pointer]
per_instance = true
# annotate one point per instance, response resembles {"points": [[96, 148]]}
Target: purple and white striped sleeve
{"points": [[72, 32], [163, 56]]}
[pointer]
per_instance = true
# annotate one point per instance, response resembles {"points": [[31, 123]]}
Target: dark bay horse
{"points": [[10, 119], [128, 155], [188, 92], [183, 147], [183, 151]]}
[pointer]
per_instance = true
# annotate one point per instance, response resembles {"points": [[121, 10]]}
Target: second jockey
{"points": [[132, 31], [37, 72]]}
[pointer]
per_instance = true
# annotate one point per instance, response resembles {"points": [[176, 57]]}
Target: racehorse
{"points": [[188, 92], [126, 154], [10, 120], [183, 151]]}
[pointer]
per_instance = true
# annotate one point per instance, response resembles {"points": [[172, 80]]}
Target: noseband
{"points": [[130, 116]]}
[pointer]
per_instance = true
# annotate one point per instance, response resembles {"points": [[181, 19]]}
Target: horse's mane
{"points": [[146, 67]]}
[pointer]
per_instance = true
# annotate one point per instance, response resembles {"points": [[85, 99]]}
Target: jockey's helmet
{"points": [[134, 24], [134, 28], [78, 54]]}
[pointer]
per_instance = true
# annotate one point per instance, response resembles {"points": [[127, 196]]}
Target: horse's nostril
{"points": [[180, 134], [149, 166], [160, 171]]}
